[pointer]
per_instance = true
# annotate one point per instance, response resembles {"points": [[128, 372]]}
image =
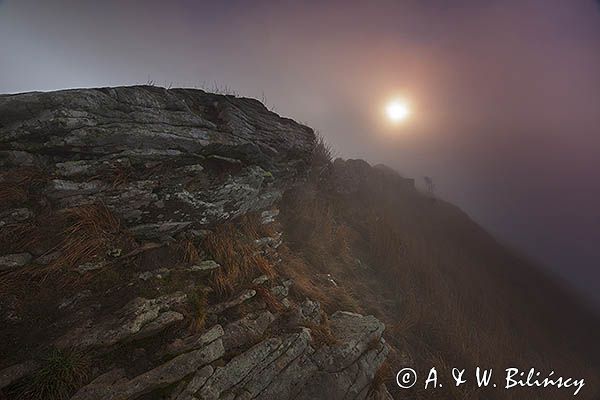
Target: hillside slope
{"points": [[178, 244]]}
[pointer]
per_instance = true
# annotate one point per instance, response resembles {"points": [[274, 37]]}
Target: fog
{"points": [[505, 94]]}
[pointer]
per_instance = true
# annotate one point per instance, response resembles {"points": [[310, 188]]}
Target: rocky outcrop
{"points": [[281, 367], [170, 166], [138, 319], [352, 176], [162, 159]]}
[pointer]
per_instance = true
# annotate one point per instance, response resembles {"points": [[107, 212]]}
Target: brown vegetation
{"points": [[237, 253], [449, 294]]}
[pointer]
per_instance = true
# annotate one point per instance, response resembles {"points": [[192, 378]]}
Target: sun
{"points": [[397, 110]]}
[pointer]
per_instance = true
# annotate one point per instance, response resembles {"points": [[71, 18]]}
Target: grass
{"points": [[87, 232], [273, 304], [61, 373], [188, 251], [238, 256], [17, 185], [197, 301], [448, 293], [321, 334]]}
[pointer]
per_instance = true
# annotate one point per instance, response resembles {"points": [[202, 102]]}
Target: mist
{"points": [[506, 94]]}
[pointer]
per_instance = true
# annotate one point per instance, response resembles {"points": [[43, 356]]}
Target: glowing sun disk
{"points": [[397, 110]]}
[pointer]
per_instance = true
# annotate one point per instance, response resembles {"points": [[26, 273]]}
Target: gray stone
{"points": [[90, 266], [260, 280], [247, 330], [116, 387], [220, 307], [137, 319], [158, 230], [205, 266], [13, 261], [269, 216], [194, 168], [137, 131], [193, 342], [47, 258], [60, 189], [71, 301], [69, 169], [307, 313], [196, 383], [16, 215]]}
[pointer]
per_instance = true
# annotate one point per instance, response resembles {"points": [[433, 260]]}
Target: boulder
{"points": [[114, 386], [137, 319], [13, 261], [141, 149]]}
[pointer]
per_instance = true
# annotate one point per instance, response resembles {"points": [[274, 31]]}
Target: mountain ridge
{"points": [[178, 244]]}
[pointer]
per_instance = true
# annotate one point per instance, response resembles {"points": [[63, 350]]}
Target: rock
{"points": [[158, 230], [137, 319], [251, 364], [13, 261], [247, 330], [90, 266], [274, 241], [205, 266], [195, 341], [114, 252], [15, 372], [47, 258], [280, 292], [245, 296], [75, 299], [115, 387], [268, 216], [59, 189], [192, 169], [16, 215], [289, 367], [260, 280], [69, 169], [306, 314], [196, 383], [142, 144], [15, 158], [158, 274]]}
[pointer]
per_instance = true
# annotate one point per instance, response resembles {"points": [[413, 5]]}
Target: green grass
{"points": [[61, 373]]}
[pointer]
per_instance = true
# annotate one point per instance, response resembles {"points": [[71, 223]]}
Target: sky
{"points": [[505, 94]]}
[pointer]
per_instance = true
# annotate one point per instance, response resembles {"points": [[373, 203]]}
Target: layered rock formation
{"points": [[162, 167], [155, 155]]}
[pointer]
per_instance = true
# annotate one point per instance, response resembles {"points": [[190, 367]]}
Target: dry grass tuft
{"points": [[189, 251], [322, 156], [250, 226], [269, 298], [89, 231], [16, 238], [238, 256], [198, 302], [16, 185], [321, 334]]}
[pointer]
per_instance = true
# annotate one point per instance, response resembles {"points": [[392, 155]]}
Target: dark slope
{"points": [[450, 294]]}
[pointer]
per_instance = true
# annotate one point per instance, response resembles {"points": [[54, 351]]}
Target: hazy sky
{"points": [[506, 93]]}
